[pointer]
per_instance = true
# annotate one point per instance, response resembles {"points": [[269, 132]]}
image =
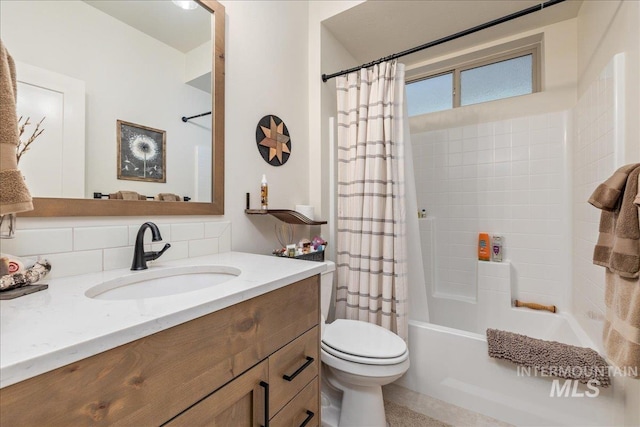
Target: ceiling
{"points": [[379, 28], [181, 29]]}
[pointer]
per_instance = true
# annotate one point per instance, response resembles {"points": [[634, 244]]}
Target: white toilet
{"points": [[358, 359]]}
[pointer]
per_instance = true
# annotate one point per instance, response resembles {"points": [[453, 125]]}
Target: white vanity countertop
{"points": [[60, 325]]}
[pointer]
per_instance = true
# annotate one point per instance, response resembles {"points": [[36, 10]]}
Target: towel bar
{"points": [[534, 306]]}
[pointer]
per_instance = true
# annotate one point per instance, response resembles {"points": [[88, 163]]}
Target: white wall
{"points": [[77, 40], [266, 73], [605, 28], [326, 55], [334, 57]]}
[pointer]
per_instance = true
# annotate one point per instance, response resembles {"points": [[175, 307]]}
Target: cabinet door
{"points": [[240, 403]]}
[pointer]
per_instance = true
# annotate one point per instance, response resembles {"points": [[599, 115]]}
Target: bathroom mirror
{"points": [[99, 41]]}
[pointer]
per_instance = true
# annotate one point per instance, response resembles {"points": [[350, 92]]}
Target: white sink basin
{"points": [[160, 282]]}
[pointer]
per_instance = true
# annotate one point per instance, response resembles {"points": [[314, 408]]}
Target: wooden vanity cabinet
{"points": [[239, 403], [208, 371]]}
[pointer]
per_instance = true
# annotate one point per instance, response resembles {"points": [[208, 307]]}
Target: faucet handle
{"points": [[150, 256], [166, 246]]}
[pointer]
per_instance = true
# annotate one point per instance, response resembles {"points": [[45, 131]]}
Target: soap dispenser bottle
{"points": [[264, 193]]}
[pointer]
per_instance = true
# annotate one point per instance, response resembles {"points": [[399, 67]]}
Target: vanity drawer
{"points": [[292, 367], [303, 408]]}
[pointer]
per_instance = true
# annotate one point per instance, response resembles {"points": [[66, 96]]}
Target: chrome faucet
{"points": [[140, 257]]}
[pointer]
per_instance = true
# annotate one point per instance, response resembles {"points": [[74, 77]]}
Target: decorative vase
{"points": [[8, 226]]}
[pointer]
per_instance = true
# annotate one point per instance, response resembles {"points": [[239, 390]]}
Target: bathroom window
{"points": [[472, 82], [430, 94]]}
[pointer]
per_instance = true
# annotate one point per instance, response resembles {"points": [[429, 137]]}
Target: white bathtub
{"points": [[453, 365]]}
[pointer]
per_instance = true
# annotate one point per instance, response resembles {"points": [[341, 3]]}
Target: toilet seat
{"points": [[362, 342]]}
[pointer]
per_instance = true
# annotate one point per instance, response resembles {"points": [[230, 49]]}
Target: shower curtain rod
{"points": [[463, 33], [186, 119]]}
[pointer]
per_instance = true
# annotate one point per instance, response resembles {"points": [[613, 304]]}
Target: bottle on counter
{"points": [[496, 249], [264, 193], [484, 253]]}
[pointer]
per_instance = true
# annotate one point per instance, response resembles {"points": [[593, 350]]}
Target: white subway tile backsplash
{"points": [[165, 233], [115, 258], [203, 247], [214, 229], [74, 263], [187, 231], [85, 238], [178, 250], [42, 241], [80, 250], [224, 241]]}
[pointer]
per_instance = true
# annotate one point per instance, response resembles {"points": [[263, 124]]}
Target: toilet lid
{"points": [[363, 340]]}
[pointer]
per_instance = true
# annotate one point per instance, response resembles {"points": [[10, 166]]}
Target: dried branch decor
{"points": [[25, 146]]}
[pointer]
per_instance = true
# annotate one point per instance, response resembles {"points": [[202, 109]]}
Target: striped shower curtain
{"points": [[371, 245]]}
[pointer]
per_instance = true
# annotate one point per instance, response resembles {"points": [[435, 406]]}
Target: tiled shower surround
{"points": [[598, 129], [507, 178]]}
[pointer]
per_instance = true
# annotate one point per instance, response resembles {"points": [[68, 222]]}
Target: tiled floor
{"points": [[438, 409]]}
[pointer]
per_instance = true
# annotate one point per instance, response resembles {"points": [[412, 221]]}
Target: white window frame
{"points": [[536, 64]]}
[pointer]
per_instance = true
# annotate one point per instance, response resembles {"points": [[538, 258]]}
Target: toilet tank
{"points": [[326, 287]]}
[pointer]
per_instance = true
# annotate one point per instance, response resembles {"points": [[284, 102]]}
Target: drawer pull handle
{"points": [[306, 420], [265, 385], [300, 369]]}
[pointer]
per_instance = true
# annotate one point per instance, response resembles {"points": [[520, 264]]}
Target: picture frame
{"points": [[141, 152]]}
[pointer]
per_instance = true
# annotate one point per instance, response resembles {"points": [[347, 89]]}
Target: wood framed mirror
{"points": [[65, 207]]}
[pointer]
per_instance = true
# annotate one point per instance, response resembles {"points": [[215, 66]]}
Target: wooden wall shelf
{"points": [[285, 215]]}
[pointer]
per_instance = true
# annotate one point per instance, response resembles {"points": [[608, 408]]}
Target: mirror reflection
{"points": [[86, 67]]}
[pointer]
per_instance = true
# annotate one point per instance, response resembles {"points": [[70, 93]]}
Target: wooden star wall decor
{"points": [[274, 143]]}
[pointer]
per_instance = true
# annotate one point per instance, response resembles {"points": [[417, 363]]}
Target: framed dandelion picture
{"points": [[141, 152]]}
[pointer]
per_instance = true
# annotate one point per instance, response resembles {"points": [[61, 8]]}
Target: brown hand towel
{"points": [[621, 333], [618, 246], [168, 197], [608, 193], [637, 200], [129, 195], [14, 194]]}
